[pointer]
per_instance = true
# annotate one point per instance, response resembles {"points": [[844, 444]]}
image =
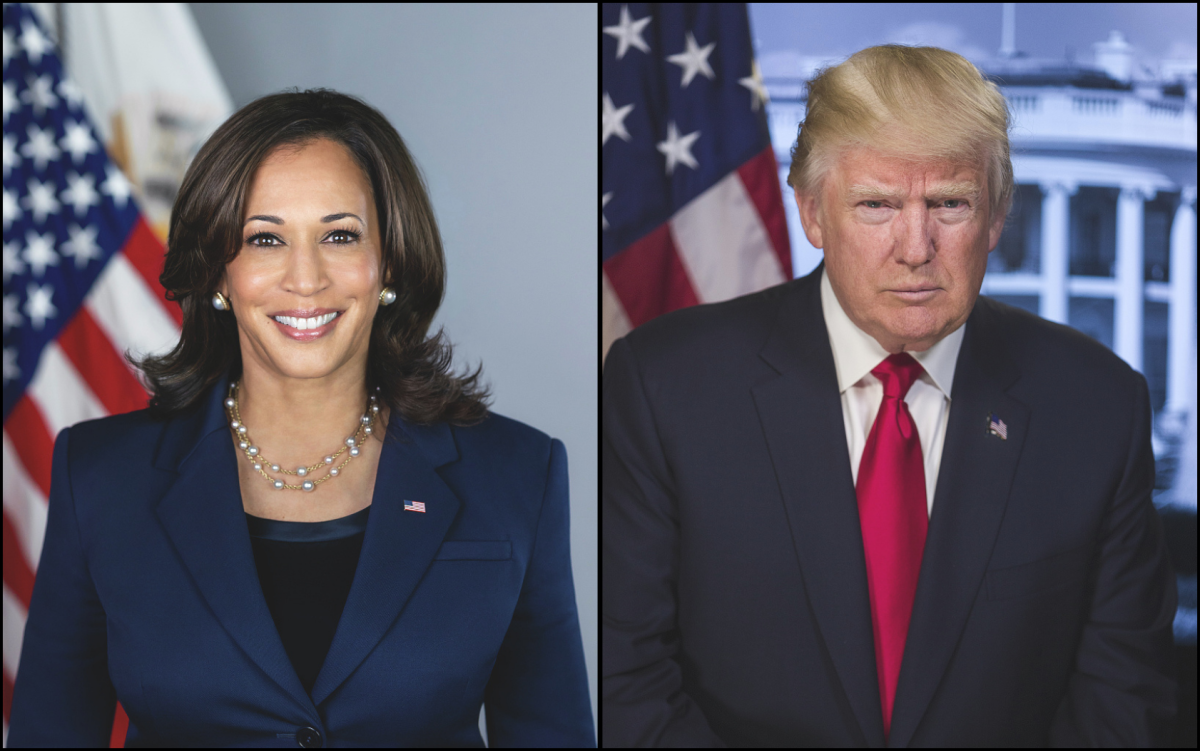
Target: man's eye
{"points": [[948, 200]]}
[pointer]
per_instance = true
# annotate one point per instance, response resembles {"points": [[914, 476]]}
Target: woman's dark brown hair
{"points": [[411, 369]]}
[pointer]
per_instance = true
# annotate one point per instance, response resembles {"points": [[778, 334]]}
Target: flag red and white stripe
{"points": [[731, 240]]}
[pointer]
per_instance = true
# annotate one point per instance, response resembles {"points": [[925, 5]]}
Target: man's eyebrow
{"points": [[324, 219], [949, 190]]}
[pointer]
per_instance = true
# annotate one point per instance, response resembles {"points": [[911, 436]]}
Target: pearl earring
{"points": [[219, 302], [387, 296]]}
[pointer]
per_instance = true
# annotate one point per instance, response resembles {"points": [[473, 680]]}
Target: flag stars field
{"points": [[11, 316], [80, 193], [613, 120], [39, 252], [38, 307], [694, 60], [82, 246], [628, 33], [41, 200], [665, 247], [78, 142], [678, 148]]}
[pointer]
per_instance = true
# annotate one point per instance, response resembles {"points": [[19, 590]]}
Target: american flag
{"points": [[414, 506], [691, 208], [997, 426], [81, 286]]}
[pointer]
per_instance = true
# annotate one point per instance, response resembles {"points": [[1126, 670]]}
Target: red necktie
{"points": [[892, 512]]}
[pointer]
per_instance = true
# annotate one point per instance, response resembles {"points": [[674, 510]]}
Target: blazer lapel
{"points": [[801, 415], [399, 545], [974, 479], [203, 516]]}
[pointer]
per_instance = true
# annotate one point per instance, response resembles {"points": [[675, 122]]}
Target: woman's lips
{"points": [[308, 334]]}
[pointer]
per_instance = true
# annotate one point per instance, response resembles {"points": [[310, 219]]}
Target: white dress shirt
{"points": [[856, 353]]}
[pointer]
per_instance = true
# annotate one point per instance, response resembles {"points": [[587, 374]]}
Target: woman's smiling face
{"points": [[310, 244]]}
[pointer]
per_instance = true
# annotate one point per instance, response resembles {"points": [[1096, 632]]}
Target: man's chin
{"points": [[911, 338]]}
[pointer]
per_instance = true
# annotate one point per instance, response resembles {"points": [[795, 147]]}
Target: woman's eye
{"points": [[251, 240], [267, 236]]}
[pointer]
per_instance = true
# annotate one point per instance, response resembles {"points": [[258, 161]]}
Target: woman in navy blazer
{"points": [[316, 534]]}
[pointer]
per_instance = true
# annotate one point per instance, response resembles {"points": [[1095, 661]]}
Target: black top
{"points": [[305, 570]]}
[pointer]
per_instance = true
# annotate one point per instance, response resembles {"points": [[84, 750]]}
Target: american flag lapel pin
{"points": [[997, 427], [414, 506]]}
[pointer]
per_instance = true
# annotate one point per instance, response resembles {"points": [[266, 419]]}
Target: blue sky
{"points": [[785, 32]]}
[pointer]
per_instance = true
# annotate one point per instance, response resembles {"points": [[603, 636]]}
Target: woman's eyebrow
{"points": [[324, 219]]}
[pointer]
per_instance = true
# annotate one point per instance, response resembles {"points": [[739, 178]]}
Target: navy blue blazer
{"points": [[146, 592], [735, 603]]}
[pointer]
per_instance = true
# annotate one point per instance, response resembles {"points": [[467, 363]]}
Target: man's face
{"points": [[886, 227]]}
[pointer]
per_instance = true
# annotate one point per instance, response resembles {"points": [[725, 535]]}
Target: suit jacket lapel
{"points": [[398, 548], [801, 415], [203, 516], [974, 479]]}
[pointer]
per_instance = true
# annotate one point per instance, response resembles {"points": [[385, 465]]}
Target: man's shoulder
{"points": [[727, 328], [1041, 346]]}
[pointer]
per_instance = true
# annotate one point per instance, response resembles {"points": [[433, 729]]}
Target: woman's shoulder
{"points": [[498, 432], [116, 434], [509, 464], [114, 451]]}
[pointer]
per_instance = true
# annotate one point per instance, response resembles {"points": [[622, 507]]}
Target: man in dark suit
{"points": [[778, 568]]}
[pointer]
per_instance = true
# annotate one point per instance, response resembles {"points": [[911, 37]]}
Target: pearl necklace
{"points": [[242, 435]]}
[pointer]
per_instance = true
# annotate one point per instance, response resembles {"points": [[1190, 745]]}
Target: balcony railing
{"points": [[1053, 116]]}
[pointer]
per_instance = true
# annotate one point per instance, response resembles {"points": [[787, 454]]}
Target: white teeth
{"points": [[304, 324]]}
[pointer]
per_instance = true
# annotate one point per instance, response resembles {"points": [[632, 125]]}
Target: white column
{"points": [[1181, 332], [1056, 224], [1130, 274]]}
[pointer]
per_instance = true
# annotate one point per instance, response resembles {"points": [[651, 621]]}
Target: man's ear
{"points": [[809, 218], [994, 230]]}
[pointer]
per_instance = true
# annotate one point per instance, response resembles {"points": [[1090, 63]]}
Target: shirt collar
{"points": [[856, 353]]}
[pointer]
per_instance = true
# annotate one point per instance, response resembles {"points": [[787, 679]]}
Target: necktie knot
{"points": [[897, 372]]}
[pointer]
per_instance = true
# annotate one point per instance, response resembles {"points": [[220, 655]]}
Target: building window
{"points": [[1024, 302], [1093, 316], [1156, 239], [1093, 235], [1154, 352], [1019, 249]]}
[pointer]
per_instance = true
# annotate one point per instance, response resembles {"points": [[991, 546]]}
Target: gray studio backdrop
{"points": [[497, 105]]}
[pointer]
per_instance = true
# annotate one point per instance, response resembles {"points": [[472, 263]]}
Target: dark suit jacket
{"points": [[735, 605], [147, 592]]}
